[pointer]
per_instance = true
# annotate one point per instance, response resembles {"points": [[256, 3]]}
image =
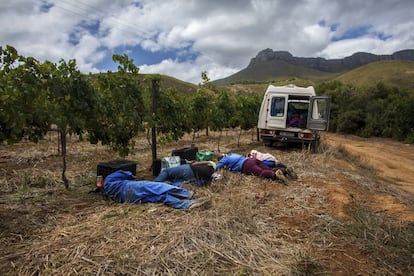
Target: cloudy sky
{"points": [[183, 38]]}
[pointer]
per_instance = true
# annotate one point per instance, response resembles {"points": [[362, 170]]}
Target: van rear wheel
{"points": [[314, 146], [268, 143]]}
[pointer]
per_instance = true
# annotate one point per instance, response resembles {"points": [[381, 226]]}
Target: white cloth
{"points": [[263, 156]]}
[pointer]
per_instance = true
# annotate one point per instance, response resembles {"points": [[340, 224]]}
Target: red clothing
{"points": [[296, 122], [256, 167]]}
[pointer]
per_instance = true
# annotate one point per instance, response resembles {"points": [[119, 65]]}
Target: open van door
{"points": [[318, 113]]}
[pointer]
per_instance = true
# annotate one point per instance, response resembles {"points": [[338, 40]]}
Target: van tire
{"points": [[314, 146], [268, 143]]}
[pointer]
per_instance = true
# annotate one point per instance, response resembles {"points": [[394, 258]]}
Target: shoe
{"points": [[199, 202], [216, 177], [190, 195], [291, 173], [279, 175]]}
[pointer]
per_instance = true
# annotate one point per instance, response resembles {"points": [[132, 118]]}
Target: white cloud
{"points": [[189, 71], [224, 34], [336, 49]]}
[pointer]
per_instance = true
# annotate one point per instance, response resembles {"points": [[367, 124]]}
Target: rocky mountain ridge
{"points": [[328, 65]]}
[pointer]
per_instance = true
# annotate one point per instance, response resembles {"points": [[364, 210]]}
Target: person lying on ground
{"points": [[196, 173], [271, 161], [122, 187], [250, 166]]}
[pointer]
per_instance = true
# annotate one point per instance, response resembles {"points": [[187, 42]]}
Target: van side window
{"points": [[277, 108]]}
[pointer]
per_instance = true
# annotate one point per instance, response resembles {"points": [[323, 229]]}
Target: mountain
{"points": [[329, 65], [269, 65]]}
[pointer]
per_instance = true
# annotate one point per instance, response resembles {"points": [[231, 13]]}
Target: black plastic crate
{"points": [[106, 168], [186, 153]]}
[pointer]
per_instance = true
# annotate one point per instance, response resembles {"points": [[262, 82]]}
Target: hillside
{"points": [[273, 71], [183, 87], [281, 66], [170, 82], [399, 73]]}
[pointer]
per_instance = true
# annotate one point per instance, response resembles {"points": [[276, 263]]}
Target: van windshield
{"points": [[277, 108]]}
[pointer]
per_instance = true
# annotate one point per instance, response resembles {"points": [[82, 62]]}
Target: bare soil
{"points": [[349, 213], [391, 160]]}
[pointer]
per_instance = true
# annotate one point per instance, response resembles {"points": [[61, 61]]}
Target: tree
{"points": [[172, 115], [223, 111], [200, 108], [120, 111], [246, 113], [23, 98], [206, 87], [72, 102]]}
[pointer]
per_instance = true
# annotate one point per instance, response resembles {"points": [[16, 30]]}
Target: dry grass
{"points": [[253, 226]]}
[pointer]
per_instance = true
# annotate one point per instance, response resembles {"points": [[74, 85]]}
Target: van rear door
{"points": [[318, 113], [276, 112]]}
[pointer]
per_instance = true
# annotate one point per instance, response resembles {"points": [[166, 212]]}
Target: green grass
{"points": [[399, 73]]}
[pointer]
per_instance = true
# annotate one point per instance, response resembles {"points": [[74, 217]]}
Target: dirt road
{"points": [[392, 160]]}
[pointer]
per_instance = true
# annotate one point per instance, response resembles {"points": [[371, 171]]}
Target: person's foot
{"points": [[190, 195], [216, 177], [291, 173], [199, 202], [279, 175]]}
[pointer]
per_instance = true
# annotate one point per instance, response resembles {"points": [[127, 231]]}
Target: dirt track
{"points": [[392, 160]]}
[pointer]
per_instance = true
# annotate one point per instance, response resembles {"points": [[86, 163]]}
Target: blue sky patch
{"points": [[141, 56], [332, 27], [383, 36], [45, 7], [353, 33], [107, 64], [92, 27]]}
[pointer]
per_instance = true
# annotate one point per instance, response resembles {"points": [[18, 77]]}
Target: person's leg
{"points": [[157, 192], [163, 176], [178, 203], [262, 165], [174, 174], [175, 202], [281, 167], [256, 167], [269, 163]]}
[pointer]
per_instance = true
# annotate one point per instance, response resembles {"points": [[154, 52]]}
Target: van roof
{"points": [[291, 89]]}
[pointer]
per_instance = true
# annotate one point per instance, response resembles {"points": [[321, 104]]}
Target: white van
{"points": [[292, 114]]}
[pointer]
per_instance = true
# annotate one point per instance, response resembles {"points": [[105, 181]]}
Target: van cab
{"points": [[292, 114]]}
